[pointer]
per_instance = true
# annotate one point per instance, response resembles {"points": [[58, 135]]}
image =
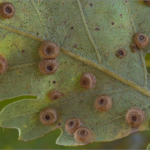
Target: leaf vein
{"points": [[38, 13], [141, 51], [107, 71], [87, 30], [86, 61], [21, 33]]}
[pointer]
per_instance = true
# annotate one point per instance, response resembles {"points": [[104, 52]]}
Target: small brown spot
{"points": [[55, 95], [49, 49], [59, 124], [54, 82], [87, 81], [133, 47], [72, 125], [97, 29], [135, 117], [3, 65], [48, 116], [103, 103], [141, 40], [7, 10], [22, 51], [121, 53], [83, 135], [147, 2], [121, 15], [112, 23], [71, 27], [48, 66], [51, 19], [75, 46], [90, 4]]}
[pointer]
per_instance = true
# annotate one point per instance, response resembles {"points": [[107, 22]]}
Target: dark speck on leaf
{"points": [[54, 82], [75, 45], [91, 4], [71, 27], [22, 51], [97, 29], [121, 15], [112, 23]]}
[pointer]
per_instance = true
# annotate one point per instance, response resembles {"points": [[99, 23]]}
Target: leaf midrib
{"points": [[86, 61]]}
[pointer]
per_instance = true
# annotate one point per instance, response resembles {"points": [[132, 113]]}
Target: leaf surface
{"points": [[89, 36]]}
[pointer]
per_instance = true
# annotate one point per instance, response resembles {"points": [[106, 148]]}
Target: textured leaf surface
{"points": [[89, 37]]}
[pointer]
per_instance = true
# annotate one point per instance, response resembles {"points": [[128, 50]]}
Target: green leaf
{"points": [[148, 147], [89, 36]]}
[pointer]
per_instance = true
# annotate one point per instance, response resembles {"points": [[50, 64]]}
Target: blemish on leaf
{"points": [[3, 65], [103, 103], [48, 116], [135, 117], [87, 81], [55, 95], [133, 47], [121, 15], [90, 4], [54, 82], [7, 10], [112, 23], [83, 135], [59, 124], [121, 53], [141, 40], [72, 125], [22, 51], [75, 46], [48, 66], [97, 29], [49, 49], [71, 27]]}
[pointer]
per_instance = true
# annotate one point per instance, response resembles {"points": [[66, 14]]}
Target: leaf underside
{"points": [[89, 37]]}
